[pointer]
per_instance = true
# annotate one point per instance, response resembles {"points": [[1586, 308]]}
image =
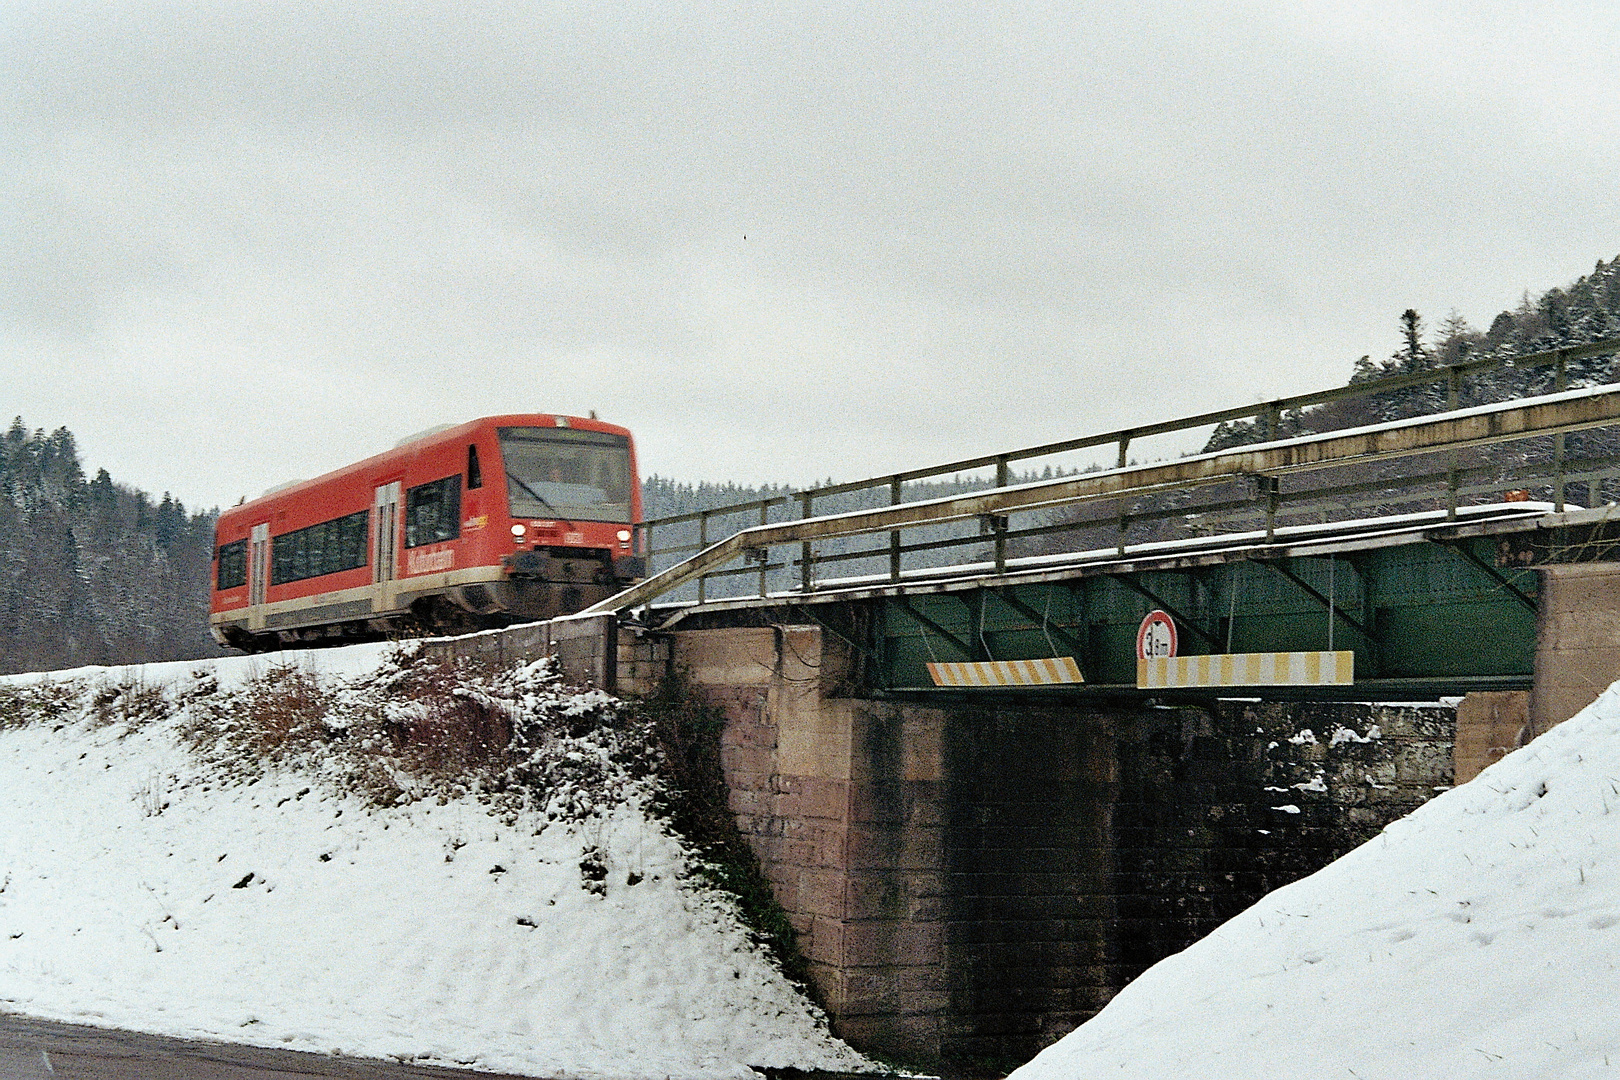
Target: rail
{"points": [[1553, 415], [1459, 481]]}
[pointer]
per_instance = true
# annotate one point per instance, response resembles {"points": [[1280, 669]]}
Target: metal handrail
{"points": [[1553, 414], [1449, 374]]}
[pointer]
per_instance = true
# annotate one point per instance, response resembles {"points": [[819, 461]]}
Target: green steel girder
{"points": [[1463, 549], [1007, 597], [1422, 615], [967, 650], [1128, 580], [1276, 566]]}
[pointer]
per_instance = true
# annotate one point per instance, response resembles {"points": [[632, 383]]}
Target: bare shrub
{"points": [[456, 726], [45, 701], [133, 703], [284, 714], [275, 717], [420, 727]]}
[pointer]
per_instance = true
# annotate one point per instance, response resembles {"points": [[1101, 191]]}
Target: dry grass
{"points": [[420, 727], [39, 703], [132, 704]]}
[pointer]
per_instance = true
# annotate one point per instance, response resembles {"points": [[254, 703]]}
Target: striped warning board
{"points": [[1050, 672], [1247, 669]]}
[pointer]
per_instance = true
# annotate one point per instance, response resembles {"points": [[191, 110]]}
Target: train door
{"points": [[258, 563], [385, 544]]}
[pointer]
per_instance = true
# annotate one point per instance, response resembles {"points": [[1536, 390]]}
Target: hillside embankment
{"points": [[366, 853], [1475, 937]]}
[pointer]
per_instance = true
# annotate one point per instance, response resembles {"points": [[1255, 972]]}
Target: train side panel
{"points": [[424, 537]]}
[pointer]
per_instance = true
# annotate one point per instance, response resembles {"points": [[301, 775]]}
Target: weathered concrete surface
{"points": [[970, 882], [1577, 640], [1489, 726], [593, 651]]}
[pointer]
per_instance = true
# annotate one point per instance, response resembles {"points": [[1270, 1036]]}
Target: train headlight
{"points": [[518, 531], [624, 536]]}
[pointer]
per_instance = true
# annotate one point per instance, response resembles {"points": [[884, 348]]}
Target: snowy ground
{"points": [[139, 890], [1478, 937]]}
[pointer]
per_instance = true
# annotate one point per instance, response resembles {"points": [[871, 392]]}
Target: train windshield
{"points": [[566, 473]]}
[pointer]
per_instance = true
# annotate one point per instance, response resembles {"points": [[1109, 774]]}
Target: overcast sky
{"points": [[246, 242]]}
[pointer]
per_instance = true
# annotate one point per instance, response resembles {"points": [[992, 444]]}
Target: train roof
{"points": [[407, 449]]}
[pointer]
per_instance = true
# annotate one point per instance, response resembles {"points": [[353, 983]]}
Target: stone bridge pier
{"points": [[973, 874], [970, 879]]}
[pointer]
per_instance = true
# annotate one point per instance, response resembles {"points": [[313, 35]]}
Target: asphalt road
{"points": [[37, 1049]]}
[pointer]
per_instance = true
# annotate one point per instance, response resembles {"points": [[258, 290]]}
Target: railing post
{"points": [[1453, 399], [805, 498], [764, 563], [703, 543], [1560, 384], [647, 554], [1124, 460], [1272, 487], [894, 536], [998, 522]]}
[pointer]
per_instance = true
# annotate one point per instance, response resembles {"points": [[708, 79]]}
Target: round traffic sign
{"points": [[1157, 636]]}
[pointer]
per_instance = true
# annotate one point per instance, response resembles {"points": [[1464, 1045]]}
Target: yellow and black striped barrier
{"points": [[1053, 671], [1247, 669]]}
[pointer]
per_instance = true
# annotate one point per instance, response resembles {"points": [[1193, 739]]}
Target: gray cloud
{"points": [[242, 242]]}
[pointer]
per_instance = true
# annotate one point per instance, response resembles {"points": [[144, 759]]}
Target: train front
{"points": [[573, 504]]}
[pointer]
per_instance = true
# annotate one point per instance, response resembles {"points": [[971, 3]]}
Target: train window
{"points": [[567, 473], [475, 475], [327, 548], [433, 512], [233, 565]]}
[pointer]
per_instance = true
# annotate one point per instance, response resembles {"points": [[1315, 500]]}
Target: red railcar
{"points": [[503, 519]]}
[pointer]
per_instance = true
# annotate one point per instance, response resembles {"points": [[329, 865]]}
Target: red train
{"points": [[499, 520]]}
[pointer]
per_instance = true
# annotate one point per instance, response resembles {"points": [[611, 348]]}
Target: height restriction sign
{"points": [[1157, 636]]}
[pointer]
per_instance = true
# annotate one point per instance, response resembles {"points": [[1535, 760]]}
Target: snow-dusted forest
{"points": [[97, 571]]}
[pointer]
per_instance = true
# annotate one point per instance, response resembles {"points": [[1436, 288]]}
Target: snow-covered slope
{"points": [[1480, 936], [139, 889]]}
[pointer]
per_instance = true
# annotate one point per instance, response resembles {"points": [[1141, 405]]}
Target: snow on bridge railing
{"points": [[1550, 415], [669, 538]]}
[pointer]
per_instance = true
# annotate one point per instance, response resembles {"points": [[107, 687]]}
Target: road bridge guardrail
{"points": [[1548, 473], [1555, 415]]}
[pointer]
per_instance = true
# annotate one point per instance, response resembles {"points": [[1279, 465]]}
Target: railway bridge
{"points": [[985, 812]]}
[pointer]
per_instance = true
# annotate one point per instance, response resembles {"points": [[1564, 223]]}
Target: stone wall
{"points": [[1577, 640], [1489, 726], [593, 650], [1216, 808], [970, 882]]}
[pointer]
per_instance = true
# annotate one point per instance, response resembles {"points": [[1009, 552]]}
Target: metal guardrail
{"points": [[1270, 416], [1553, 415]]}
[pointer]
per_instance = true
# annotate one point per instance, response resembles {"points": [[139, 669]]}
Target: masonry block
{"points": [[813, 797], [1577, 640], [826, 943], [822, 892], [979, 878]]}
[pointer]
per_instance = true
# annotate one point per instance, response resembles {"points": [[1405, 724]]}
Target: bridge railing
{"points": [[1266, 464], [1547, 470]]}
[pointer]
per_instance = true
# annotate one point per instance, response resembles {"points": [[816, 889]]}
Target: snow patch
{"points": [[1469, 939], [147, 886], [1342, 735]]}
